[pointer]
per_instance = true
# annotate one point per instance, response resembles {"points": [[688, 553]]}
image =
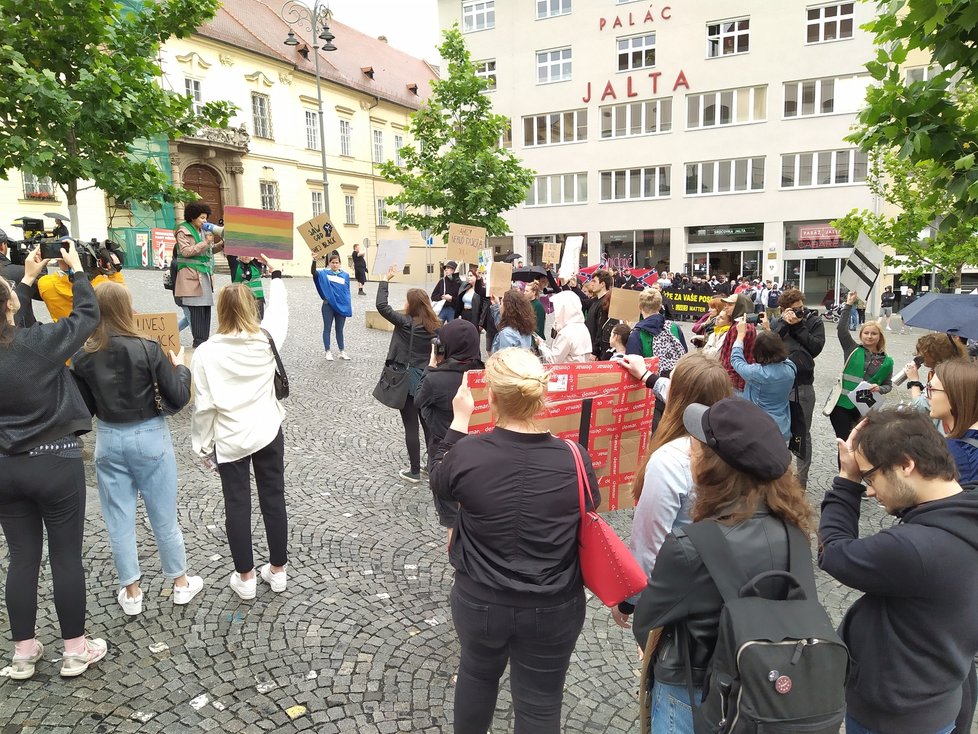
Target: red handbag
{"points": [[608, 567]]}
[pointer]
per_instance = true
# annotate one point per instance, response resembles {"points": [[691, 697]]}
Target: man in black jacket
{"points": [[446, 290], [912, 635], [803, 333], [596, 312]]}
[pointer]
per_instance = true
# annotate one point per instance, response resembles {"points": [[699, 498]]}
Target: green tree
{"points": [[79, 85], [924, 206], [455, 170]]}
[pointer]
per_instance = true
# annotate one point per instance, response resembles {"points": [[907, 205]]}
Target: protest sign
{"points": [[500, 279], [390, 252], [321, 237], [863, 267], [687, 303], [599, 405], [163, 242], [485, 260], [254, 232], [624, 305], [464, 243], [160, 327], [570, 263], [551, 253]]}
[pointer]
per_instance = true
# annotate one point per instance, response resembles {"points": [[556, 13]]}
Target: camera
{"points": [[752, 318], [51, 249], [439, 346]]}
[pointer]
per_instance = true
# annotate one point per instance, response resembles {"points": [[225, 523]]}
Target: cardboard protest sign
{"points": [[321, 237], [500, 279], [551, 253], [253, 232], [390, 252], [624, 305], [570, 263], [863, 267], [161, 327], [464, 243], [599, 405]]}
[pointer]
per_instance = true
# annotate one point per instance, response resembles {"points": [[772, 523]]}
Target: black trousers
{"points": [[200, 323], [38, 493], [410, 417], [843, 420], [269, 464], [537, 643]]}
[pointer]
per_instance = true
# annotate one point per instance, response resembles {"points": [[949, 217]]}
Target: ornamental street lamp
{"points": [[296, 14]]}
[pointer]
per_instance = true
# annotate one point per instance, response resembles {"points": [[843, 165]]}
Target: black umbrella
{"points": [[529, 273], [953, 313], [512, 257]]}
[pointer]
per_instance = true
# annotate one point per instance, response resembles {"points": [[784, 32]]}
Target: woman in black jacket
{"points": [[42, 414], [742, 477], [455, 352], [119, 374], [471, 299], [414, 328], [518, 594]]}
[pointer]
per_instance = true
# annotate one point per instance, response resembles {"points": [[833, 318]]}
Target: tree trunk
{"points": [[956, 281], [71, 193]]}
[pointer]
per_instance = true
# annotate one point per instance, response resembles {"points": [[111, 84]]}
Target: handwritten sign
{"points": [[500, 279], [464, 243], [624, 305], [160, 327], [391, 252], [551, 253], [320, 236]]}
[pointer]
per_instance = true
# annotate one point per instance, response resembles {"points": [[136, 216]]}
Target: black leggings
{"points": [[200, 323], [410, 417], [843, 420], [269, 464], [38, 493]]}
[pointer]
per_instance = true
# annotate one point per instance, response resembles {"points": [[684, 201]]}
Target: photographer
{"points": [[55, 289], [43, 486], [803, 333]]}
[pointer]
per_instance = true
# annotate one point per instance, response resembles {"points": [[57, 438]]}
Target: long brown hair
{"points": [[960, 380], [237, 310], [7, 330], [725, 493], [115, 315], [696, 378], [419, 309], [517, 313]]}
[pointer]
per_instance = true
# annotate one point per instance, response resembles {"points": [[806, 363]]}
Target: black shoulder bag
{"points": [[281, 379], [395, 381], [163, 406]]}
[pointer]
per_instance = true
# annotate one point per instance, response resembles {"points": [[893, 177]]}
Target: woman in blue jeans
{"points": [[333, 286], [121, 375]]}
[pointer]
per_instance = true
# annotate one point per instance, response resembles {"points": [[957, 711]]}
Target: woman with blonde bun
{"points": [[518, 595]]}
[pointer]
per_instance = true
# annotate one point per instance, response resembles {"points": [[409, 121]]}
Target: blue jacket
{"points": [[334, 288], [965, 456], [767, 386]]}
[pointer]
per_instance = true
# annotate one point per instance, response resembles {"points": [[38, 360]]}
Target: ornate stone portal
{"points": [[221, 151]]}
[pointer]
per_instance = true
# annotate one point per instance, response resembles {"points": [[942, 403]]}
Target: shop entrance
{"points": [[817, 278], [734, 264]]}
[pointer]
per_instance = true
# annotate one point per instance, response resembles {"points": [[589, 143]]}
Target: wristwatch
{"points": [[915, 383]]}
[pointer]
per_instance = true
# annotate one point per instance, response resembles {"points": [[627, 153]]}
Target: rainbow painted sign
{"points": [[251, 232]]}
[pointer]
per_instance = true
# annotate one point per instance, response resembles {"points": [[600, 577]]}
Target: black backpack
{"points": [[772, 298], [778, 665]]}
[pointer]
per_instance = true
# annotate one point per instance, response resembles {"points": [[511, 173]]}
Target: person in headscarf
{"points": [[454, 352], [573, 340]]}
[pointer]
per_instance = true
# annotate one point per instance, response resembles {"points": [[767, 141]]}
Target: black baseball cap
{"points": [[742, 435]]}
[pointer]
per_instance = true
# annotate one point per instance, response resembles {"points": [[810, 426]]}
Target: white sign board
{"points": [[863, 267], [390, 252], [570, 263]]}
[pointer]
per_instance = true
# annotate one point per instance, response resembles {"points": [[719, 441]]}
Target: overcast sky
{"points": [[410, 25]]}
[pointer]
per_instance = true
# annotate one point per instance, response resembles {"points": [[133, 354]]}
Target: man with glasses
{"points": [[912, 635]]}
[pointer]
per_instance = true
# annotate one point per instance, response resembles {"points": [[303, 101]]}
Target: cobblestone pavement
{"points": [[362, 641]]}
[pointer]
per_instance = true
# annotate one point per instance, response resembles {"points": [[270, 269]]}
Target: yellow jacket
{"points": [[55, 290]]}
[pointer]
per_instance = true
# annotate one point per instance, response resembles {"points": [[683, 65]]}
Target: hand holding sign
{"points": [[179, 359], [321, 236]]}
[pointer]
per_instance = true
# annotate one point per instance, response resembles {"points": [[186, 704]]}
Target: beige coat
{"points": [[188, 279]]}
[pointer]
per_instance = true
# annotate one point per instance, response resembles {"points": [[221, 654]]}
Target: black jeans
{"points": [[200, 323], [410, 417], [46, 491], [537, 642], [269, 464]]}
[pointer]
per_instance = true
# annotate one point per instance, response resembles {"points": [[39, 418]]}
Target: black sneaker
{"points": [[408, 476]]}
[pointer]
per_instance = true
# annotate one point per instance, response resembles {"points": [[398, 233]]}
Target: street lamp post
{"points": [[297, 14]]}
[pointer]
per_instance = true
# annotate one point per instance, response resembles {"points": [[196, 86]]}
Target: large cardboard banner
{"points": [[599, 405], [321, 237], [624, 305], [161, 327], [253, 232], [464, 243]]}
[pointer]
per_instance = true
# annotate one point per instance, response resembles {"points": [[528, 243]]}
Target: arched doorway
{"points": [[205, 182]]}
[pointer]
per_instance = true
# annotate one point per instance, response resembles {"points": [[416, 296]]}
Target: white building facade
{"points": [[692, 137]]}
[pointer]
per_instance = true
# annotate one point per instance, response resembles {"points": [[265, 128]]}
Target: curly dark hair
{"points": [[790, 296], [518, 313], [194, 209]]}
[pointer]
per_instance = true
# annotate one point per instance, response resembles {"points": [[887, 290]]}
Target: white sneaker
{"points": [[888, 328], [130, 606], [276, 580], [344, 355], [244, 589], [329, 356], [183, 594]]}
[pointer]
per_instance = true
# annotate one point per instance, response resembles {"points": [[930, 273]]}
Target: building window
{"points": [[923, 73], [561, 188], [262, 115], [401, 209], [554, 128], [830, 22], [269, 195], [478, 15], [398, 144], [823, 168], [312, 130], [192, 86], [550, 8], [553, 66], [636, 118], [430, 268], [345, 147], [38, 187], [726, 107], [317, 203], [832, 95], [636, 52], [350, 208], [378, 137], [486, 69], [381, 211], [636, 183], [728, 37], [725, 177]]}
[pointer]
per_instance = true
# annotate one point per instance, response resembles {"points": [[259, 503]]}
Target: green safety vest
{"points": [[202, 262], [254, 284], [852, 374]]}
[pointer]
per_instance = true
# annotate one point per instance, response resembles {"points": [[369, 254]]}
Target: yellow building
{"points": [[270, 157]]}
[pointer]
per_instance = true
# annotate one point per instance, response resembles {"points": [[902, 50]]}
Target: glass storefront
{"points": [[815, 255], [534, 246], [730, 249], [638, 248]]}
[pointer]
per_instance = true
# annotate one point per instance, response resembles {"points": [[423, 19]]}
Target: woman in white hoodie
{"points": [[237, 423], [573, 340]]}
